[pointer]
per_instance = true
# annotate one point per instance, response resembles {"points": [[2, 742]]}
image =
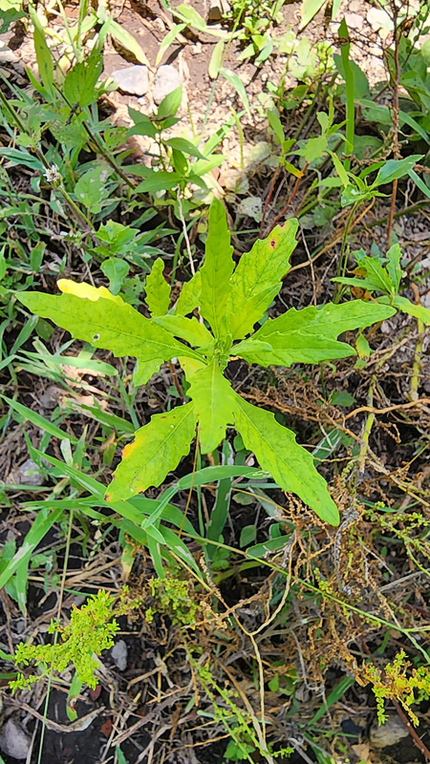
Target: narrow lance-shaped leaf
{"points": [[108, 324], [396, 168], [257, 279], [394, 256], [157, 290], [43, 54], [217, 269], [156, 450], [214, 402], [309, 335], [278, 453]]}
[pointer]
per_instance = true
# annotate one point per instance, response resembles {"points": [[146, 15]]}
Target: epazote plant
{"points": [[231, 300]]}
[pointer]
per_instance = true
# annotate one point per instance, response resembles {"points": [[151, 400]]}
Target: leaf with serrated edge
{"points": [[257, 279], [107, 324], [156, 450], [188, 329], [189, 297], [418, 311], [157, 290], [87, 291], [377, 273], [277, 452], [217, 269], [214, 402], [189, 366], [309, 335], [144, 371]]}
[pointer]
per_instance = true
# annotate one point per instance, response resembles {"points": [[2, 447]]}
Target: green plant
{"points": [[231, 300], [394, 683], [254, 18], [242, 726], [173, 596], [91, 630], [383, 275], [172, 168]]}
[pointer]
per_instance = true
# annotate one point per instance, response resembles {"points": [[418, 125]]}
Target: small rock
{"points": [[379, 19], [390, 733], [166, 80], [119, 654], [196, 49], [14, 740], [7, 56], [50, 398], [27, 473], [217, 9], [425, 300], [355, 6], [159, 25], [353, 20], [132, 80]]}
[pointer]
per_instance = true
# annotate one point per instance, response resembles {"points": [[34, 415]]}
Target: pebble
{"points": [[132, 80], [390, 733], [49, 399], [159, 25], [217, 9], [353, 20], [379, 19], [14, 740], [119, 654], [166, 80], [27, 473], [7, 56]]}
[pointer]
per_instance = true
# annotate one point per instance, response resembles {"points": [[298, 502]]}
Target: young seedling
{"points": [[384, 276], [231, 300]]}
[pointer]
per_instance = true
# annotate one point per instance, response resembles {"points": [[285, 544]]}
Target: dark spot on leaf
{"points": [[272, 243], [96, 337]]}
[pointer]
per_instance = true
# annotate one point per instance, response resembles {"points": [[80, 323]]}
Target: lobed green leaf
{"points": [[156, 450], [217, 269], [418, 311], [309, 335], [189, 297], [214, 402], [157, 290], [257, 279], [290, 465], [188, 329], [105, 323]]}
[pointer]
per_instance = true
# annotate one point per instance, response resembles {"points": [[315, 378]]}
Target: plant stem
{"points": [[416, 367], [344, 253], [415, 737]]}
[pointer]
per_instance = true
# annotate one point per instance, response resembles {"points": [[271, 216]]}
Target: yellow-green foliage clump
{"points": [[393, 683], [91, 630]]}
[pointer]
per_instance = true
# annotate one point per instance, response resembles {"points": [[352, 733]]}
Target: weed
{"points": [[393, 683], [231, 301], [91, 631]]}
